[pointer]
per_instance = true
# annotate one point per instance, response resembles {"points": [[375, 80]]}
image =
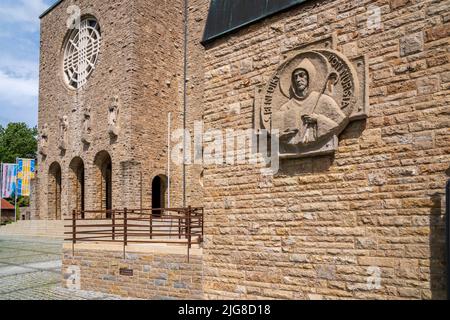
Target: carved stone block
{"points": [[63, 134], [43, 140], [311, 98], [86, 125], [113, 117]]}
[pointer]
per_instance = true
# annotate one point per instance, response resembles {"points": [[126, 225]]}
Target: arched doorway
{"points": [[104, 181], [77, 185], [54, 191], [159, 188]]}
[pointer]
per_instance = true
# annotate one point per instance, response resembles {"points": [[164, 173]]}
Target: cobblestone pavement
{"points": [[30, 269]]}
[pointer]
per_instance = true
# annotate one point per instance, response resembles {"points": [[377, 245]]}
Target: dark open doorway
{"points": [[108, 185], [77, 185], [54, 191], [105, 191], [159, 186]]}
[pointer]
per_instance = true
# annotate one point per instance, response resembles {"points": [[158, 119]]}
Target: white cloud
{"points": [[14, 89], [18, 100], [18, 68], [24, 12], [19, 62], [19, 79]]}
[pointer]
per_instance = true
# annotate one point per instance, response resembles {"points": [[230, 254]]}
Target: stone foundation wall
{"points": [[158, 272]]}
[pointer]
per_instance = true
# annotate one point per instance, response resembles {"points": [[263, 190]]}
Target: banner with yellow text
{"points": [[25, 172]]}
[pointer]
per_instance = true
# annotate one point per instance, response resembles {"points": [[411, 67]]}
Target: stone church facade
{"points": [[137, 75], [358, 90]]}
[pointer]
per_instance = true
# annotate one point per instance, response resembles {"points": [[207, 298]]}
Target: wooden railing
{"points": [[166, 225]]}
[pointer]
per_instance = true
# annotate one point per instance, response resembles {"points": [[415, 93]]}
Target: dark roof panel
{"points": [[50, 9], [226, 16]]}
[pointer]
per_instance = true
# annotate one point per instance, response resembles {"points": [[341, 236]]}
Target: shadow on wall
{"points": [[305, 166], [438, 254], [438, 278], [322, 164]]}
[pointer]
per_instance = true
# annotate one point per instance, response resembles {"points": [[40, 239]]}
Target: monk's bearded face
{"points": [[300, 80]]}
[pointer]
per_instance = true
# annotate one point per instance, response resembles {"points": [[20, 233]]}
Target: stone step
{"points": [[35, 228]]}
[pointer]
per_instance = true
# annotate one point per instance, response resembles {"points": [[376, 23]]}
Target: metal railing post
{"points": [[125, 230], [180, 219], [74, 231], [188, 229], [125, 227], [114, 224], [151, 224], [202, 219], [74, 227], [186, 223]]}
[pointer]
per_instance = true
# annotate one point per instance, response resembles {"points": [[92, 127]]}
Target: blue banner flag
{"points": [[9, 175], [25, 172]]}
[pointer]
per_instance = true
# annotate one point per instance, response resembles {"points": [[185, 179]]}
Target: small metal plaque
{"points": [[126, 272]]}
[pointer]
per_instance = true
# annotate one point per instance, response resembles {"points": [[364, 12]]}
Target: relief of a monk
{"points": [[308, 115]]}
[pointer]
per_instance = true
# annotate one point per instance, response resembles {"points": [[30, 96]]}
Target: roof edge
{"points": [[6, 205], [205, 41], [50, 9]]}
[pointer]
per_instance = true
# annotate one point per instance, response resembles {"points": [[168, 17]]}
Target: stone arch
{"points": [[103, 181], [159, 192], [77, 185], [54, 191]]}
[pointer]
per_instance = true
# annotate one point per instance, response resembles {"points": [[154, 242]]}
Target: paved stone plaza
{"points": [[30, 269]]}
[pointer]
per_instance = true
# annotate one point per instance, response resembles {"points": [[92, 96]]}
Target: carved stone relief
{"points": [[43, 140], [310, 100], [87, 128], [113, 117], [63, 133]]}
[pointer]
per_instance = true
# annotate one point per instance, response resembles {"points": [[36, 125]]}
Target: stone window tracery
{"points": [[81, 52]]}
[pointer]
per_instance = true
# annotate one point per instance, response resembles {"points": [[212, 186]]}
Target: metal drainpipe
{"points": [[186, 4]]}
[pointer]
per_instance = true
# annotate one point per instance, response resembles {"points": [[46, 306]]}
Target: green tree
{"points": [[17, 140]]}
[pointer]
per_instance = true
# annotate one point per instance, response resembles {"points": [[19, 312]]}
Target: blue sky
{"points": [[19, 59]]}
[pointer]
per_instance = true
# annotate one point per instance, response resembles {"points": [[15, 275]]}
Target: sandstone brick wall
{"points": [[323, 226], [140, 62], [197, 13], [159, 73], [112, 76], [156, 274]]}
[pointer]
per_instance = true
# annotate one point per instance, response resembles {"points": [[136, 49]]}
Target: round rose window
{"points": [[81, 52]]}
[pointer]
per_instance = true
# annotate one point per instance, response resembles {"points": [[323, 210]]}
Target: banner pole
{"points": [[15, 195], [15, 207], [1, 190], [169, 128]]}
